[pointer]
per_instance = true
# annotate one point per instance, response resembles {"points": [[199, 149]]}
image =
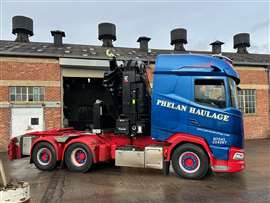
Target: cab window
{"points": [[233, 93], [210, 93]]}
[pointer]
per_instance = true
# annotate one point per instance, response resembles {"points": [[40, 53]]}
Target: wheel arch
{"points": [[181, 139], [189, 142], [82, 141], [52, 142]]}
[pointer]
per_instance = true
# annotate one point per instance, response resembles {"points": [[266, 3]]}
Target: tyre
{"points": [[190, 161], [44, 156], [78, 157]]}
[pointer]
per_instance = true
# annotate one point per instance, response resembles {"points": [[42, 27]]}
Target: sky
{"points": [[205, 21]]}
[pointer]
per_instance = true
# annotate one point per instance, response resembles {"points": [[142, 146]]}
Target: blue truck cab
{"points": [[196, 95]]}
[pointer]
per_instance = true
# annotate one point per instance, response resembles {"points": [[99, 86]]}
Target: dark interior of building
{"points": [[80, 94]]}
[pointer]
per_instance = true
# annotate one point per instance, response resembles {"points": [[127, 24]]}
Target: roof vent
{"points": [[144, 43], [216, 47], [58, 37], [179, 38], [23, 27], [240, 42], [107, 33]]}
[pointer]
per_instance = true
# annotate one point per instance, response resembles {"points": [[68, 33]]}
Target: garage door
{"points": [[82, 73], [26, 120], [83, 68]]}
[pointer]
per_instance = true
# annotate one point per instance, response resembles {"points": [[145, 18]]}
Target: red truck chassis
{"points": [[103, 146]]}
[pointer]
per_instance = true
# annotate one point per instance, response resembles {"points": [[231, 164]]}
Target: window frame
{"points": [[243, 99], [13, 89], [211, 78]]}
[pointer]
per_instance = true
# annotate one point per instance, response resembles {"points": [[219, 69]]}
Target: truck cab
{"points": [[196, 95]]}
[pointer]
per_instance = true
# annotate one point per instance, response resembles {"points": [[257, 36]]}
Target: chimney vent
{"points": [[240, 42], [179, 38], [144, 43], [107, 33], [22, 27], [216, 47], [58, 37]]}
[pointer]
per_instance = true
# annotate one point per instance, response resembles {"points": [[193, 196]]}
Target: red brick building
{"points": [[37, 79]]}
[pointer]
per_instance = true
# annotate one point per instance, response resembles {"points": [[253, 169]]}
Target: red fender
{"points": [[93, 142], [178, 138]]}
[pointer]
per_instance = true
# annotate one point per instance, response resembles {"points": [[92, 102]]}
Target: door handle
{"points": [[194, 122]]}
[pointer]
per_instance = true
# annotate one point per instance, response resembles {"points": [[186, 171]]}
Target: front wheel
{"points": [[78, 157], [190, 161]]}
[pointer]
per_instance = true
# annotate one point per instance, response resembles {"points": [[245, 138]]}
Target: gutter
{"points": [[38, 55], [267, 65]]}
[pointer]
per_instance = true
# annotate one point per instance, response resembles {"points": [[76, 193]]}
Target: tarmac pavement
{"points": [[107, 183]]}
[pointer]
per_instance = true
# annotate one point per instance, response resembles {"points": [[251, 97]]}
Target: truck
{"points": [[188, 117]]}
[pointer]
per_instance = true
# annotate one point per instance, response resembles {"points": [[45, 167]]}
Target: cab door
{"points": [[208, 116], [208, 109]]}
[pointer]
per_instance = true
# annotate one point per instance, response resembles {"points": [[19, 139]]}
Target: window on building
{"points": [[210, 93], [34, 121], [26, 94], [247, 101]]}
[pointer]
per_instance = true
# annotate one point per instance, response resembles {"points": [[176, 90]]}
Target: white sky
{"points": [[205, 21]]}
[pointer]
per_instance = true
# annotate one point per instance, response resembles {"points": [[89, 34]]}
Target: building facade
{"points": [[53, 85], [28, 86]]}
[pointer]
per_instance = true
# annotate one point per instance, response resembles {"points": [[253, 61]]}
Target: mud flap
{"points": [[166, 167]]}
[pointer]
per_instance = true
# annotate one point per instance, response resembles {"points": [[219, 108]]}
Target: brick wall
{"points": [[17, 71], [52, 94], [257, 125], [4, 128], [52, 118], [29, 69], [3, 93]]}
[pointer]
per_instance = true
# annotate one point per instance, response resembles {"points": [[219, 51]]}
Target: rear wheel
{"points": [[78, 157], [44, 156], [190, 161]]}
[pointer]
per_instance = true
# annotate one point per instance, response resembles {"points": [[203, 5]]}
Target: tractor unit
{"points": [[187, 117]]}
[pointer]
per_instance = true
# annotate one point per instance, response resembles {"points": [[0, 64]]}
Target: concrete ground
{"points": [[107, 183]]}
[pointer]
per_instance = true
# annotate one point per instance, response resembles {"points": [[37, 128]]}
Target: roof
{"points": [[188, 63], [42, 49]]}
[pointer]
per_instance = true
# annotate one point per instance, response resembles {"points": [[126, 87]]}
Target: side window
{"points": [[210, 93]]}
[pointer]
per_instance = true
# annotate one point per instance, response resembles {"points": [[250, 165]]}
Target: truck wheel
{"points": [[190, 161], [44, 156], [78, 158]]}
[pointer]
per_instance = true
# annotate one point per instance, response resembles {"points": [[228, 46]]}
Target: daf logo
{"points": [[109, 53]]}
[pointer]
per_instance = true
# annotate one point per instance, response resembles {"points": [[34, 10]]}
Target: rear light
{"points": [[238, 156]]}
